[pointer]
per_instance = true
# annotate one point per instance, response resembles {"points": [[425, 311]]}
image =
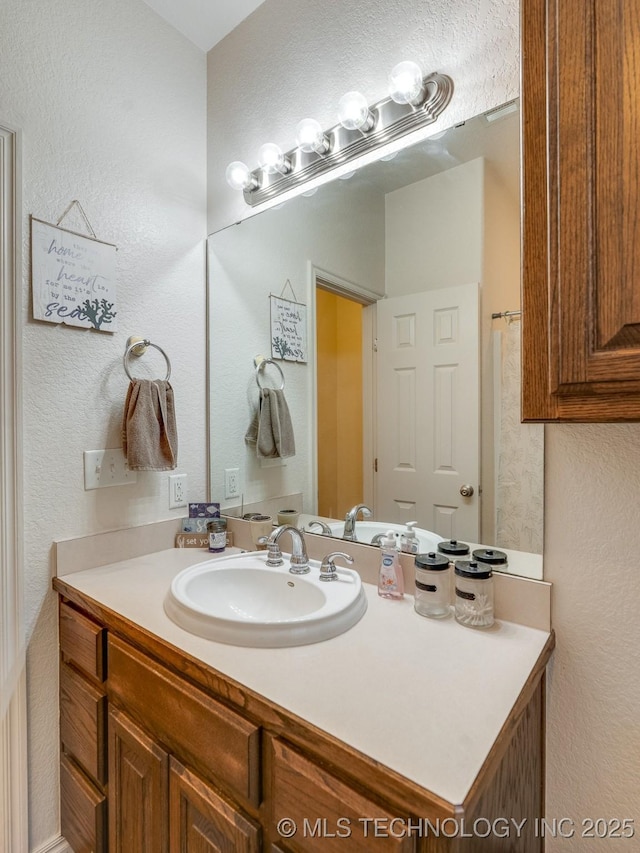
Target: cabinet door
{"points": [[138, 789], [201, 821], [581, 196], [313, 810]]}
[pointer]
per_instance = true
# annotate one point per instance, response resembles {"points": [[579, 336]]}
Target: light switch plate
{"points": [[106, 468]]}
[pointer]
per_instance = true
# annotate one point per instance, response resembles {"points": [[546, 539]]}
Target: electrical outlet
{"points": [[231, 482], [106, 468], [177, 490]]}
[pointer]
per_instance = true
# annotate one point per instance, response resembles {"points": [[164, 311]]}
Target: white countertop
{"points": [[426, 698]]}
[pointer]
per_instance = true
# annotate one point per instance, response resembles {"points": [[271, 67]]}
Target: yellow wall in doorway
{"points": [[339, 354]]}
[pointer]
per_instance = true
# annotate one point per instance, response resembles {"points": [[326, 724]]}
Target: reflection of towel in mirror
{"points": [[271, 429], [149, 433]]}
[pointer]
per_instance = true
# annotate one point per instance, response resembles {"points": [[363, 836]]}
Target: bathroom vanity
{"points": [[173, 742]]}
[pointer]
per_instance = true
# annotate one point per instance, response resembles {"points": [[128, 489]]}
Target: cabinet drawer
{"points": [[82, 722], [83, 810], [328, 813], [217, 742], [83, 642]]}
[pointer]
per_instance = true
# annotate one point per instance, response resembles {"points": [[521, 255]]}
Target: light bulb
{"points": [[354, 113], [405, 83], [239, 176], [310, 138], [272, 160]]}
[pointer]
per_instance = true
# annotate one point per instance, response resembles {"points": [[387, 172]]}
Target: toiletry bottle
{"points": [[390, 581], [409, 541]]}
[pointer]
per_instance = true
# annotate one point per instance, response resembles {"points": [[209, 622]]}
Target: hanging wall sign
{"points": [[73, 278], [288, 329]]}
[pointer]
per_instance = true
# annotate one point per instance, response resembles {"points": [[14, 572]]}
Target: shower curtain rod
{"points": [[506, 314]]}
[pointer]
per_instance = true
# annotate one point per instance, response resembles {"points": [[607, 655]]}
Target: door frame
{"points": [[368, 298], [13, 712]]}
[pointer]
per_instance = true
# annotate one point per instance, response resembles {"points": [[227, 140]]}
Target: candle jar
{"points": [[433, 585], [217, 530], [474, 594]]}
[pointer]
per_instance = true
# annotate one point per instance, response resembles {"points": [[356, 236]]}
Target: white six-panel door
{"points": [[428, 410]]}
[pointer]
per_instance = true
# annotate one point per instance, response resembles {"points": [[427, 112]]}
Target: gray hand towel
{"points": [[149, 433], [271, 429]]}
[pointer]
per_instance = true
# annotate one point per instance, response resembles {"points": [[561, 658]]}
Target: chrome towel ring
{"points": [[140, 345], [260, 367]]}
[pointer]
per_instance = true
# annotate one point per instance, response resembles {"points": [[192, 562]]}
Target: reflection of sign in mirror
{"points": [[288, 329], [73, 278]]}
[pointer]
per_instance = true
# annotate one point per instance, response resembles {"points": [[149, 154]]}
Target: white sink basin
{"points": [[240, 601], [366, 530]]}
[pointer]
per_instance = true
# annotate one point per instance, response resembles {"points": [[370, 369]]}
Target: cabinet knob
{"points": [[466, 491]]}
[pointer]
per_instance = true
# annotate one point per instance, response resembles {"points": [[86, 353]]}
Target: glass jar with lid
{"points": [[217, 529], [454, 549], [474, 594], [492, 557], [433, 585]]}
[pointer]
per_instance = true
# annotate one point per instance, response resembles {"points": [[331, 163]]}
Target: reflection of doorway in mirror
{"points": [[339, 403], [428, 416]]}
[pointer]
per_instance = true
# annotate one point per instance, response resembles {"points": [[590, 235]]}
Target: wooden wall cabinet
{"points": [[185, 761], [581, 215]]}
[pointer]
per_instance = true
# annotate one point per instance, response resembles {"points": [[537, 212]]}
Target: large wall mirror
{"points": [[408, 400]]}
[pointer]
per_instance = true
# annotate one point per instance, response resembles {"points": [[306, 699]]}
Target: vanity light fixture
{"points": [[310, 137], [272, 161], [405, 83], [414, 102], [239, 177], [354, 112]]}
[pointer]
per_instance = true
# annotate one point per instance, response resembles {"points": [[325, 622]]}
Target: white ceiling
{"points": [[204, 22]]}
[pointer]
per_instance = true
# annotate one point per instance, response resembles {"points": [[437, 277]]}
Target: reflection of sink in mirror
{"points": [[240, 601], [366, 530]]}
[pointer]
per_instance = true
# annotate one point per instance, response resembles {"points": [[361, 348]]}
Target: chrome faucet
{"points": [[299, 559], [350, 521], [325, 530]]}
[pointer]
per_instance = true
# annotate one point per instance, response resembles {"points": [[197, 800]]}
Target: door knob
{"points": [[466, 491]]}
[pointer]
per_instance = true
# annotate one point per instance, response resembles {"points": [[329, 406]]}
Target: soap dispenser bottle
{"points": [[390, 581], [409, 541]]}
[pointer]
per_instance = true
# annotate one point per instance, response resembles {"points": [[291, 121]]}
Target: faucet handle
{"points": [[328, 570], [274, 555], [325, 530]]}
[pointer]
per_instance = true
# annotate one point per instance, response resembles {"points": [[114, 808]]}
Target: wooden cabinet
{"points": [[201, 821], [138, 774], [194, 763], [581, 197], [326, 811], [203, 731], [82, 731]]}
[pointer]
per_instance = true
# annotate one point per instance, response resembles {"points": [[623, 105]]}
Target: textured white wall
{"points": [[111, 104], [291, 59], [434, 231], [592, 542]]}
